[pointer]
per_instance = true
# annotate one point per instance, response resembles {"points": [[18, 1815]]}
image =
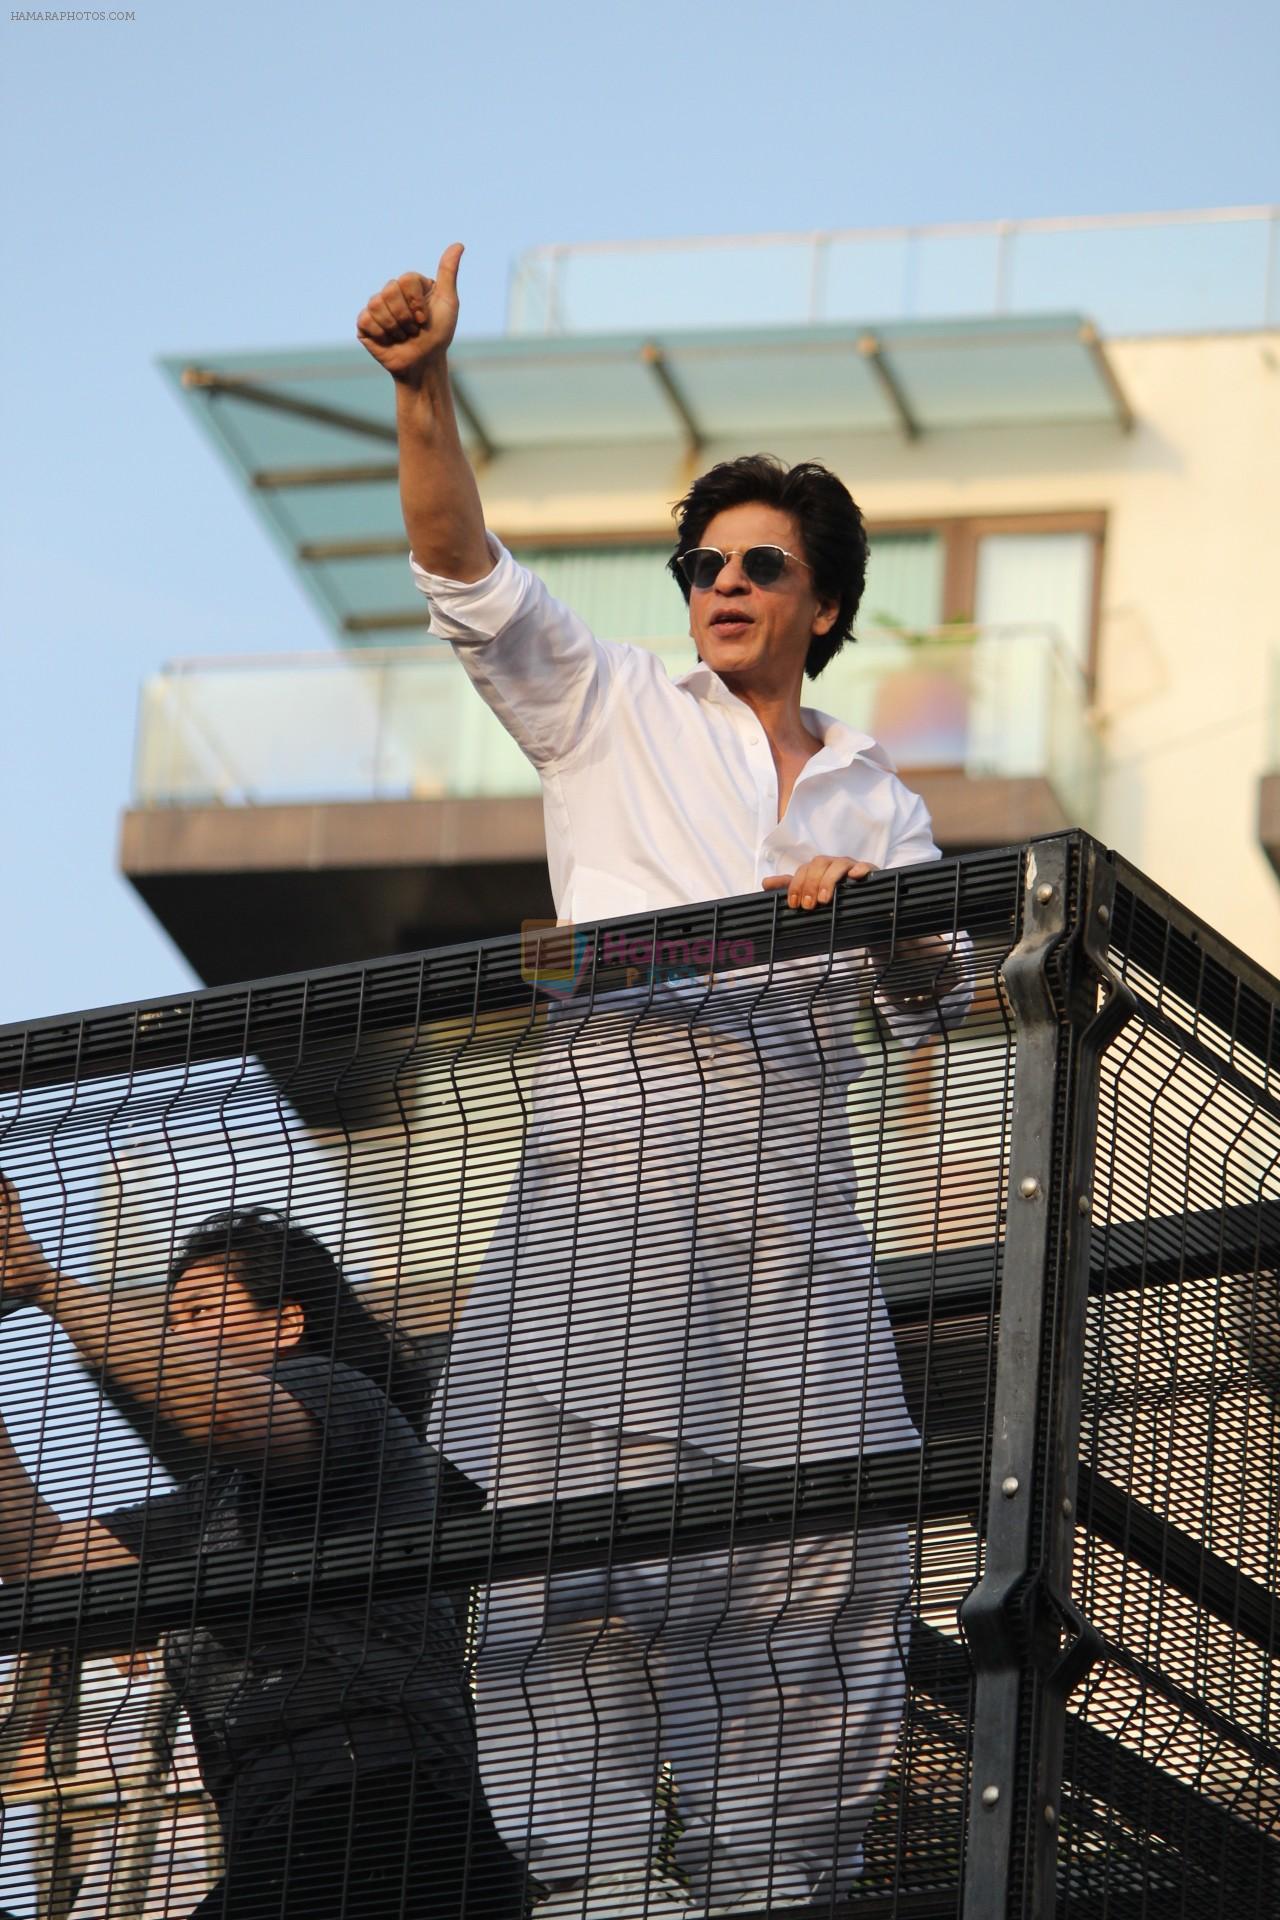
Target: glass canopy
{"points": [[312, 434]]}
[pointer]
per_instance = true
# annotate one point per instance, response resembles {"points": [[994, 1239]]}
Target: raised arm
{"points": [[407, 328], [33, 1540], [240, 1417], [536, 664]]}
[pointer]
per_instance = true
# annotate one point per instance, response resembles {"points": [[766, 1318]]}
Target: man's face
{"points": [[757, 637], [209, 1308]]}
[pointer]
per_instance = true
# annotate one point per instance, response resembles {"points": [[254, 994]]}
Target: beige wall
{"points": [[1190, 594]]}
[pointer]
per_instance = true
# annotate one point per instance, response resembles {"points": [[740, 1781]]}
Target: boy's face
{"points": [[209, 1308]]}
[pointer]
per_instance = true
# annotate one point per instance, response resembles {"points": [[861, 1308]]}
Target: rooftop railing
{"points": [[1182, 272], [401, 723], [923, 1252]]}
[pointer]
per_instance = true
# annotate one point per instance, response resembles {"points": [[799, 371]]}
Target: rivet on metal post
{"points": [[1029, 1187], [1067, 1509], [1104, 914], [990, 1796], [1050, 1817], [1009, 1487], [1084, 1203], [1044, 894]]}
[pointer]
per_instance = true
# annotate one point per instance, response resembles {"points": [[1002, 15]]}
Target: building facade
{"points": [[1070, 617]]}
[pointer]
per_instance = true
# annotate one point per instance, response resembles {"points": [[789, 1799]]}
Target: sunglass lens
{"points": [[701, 567], [764, 565]]}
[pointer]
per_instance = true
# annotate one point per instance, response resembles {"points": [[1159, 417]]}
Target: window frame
{"points": [[959, 533]]}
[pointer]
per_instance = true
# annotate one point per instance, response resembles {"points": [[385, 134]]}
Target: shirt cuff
{"points": [[473, 611]]}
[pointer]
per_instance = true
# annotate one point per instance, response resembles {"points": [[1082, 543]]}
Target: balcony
{"points": [[310, 810], [1068, 1214]]}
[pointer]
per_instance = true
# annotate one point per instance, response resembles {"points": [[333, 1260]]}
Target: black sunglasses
{"points": [[763, 566]]}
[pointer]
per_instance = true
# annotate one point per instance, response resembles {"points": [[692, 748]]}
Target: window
{"points": [[622, 591]]}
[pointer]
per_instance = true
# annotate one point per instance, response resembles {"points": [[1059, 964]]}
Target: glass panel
{"points": [[1007, 703], [746, 283], [367, 511], [1178, 274], [904, 583], [390, 724], [912, 694], [406, 723], [983, 382], [261, 435], [1141, 279], [594, 395], [1045, 579], [371, 586], [1040, 579], [870, 278], [824, 385], [953, 274]]}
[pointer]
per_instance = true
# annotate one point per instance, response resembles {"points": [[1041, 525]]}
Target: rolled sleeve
{"points": [[163, 1528], [536, 665], [346, 1407], [913, 841], [468, 613], [914, 1026]]}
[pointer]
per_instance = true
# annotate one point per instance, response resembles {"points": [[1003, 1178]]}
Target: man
{"points": [[679, 1283]]}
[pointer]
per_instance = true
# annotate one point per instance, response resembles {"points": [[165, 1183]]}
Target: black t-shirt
{"points": [[306, 1699]]}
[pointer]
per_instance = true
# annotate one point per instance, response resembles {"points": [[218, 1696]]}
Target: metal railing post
{"points": [[1005, 233], [1028, 1645]]}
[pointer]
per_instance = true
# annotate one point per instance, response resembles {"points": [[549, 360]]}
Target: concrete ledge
{"points": [[331, 833], [987, 812], [246, 892]]}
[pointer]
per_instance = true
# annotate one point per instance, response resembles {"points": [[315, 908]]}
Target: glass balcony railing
{"points": [[401, 723], [1178, 272]]}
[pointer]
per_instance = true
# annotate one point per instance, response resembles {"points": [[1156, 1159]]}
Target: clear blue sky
{"points": [[229, 176]]}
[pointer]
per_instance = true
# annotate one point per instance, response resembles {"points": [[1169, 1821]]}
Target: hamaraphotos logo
{"points": [[557, 959], [554, 958]]}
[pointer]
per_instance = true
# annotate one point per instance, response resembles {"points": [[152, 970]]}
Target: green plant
{"points": [[957, 627]]}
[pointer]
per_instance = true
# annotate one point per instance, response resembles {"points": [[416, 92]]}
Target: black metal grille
{"points": [[1179, 1801], [622, 1197]]}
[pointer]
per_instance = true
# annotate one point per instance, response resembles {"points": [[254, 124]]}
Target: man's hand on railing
{"points": [[915, 972], [813, 884]]}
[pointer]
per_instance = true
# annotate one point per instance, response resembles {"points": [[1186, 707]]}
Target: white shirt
{"points": [[679, 1254], [659, 792]]}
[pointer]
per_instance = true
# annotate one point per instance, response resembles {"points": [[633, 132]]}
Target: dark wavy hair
{"points": [[277, 1261], [831, 530]]}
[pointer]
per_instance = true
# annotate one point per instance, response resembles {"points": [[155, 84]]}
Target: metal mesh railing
{"points": [[700, 1318]]}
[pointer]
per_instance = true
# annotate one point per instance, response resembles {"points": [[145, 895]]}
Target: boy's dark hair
{"points": [[276, 1261], [831, 529]]}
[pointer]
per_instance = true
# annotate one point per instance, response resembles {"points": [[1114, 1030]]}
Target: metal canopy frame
{"points": [[296, 427]]}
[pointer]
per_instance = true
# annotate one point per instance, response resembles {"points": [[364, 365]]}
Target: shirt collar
{"points": [[841, 744]]}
